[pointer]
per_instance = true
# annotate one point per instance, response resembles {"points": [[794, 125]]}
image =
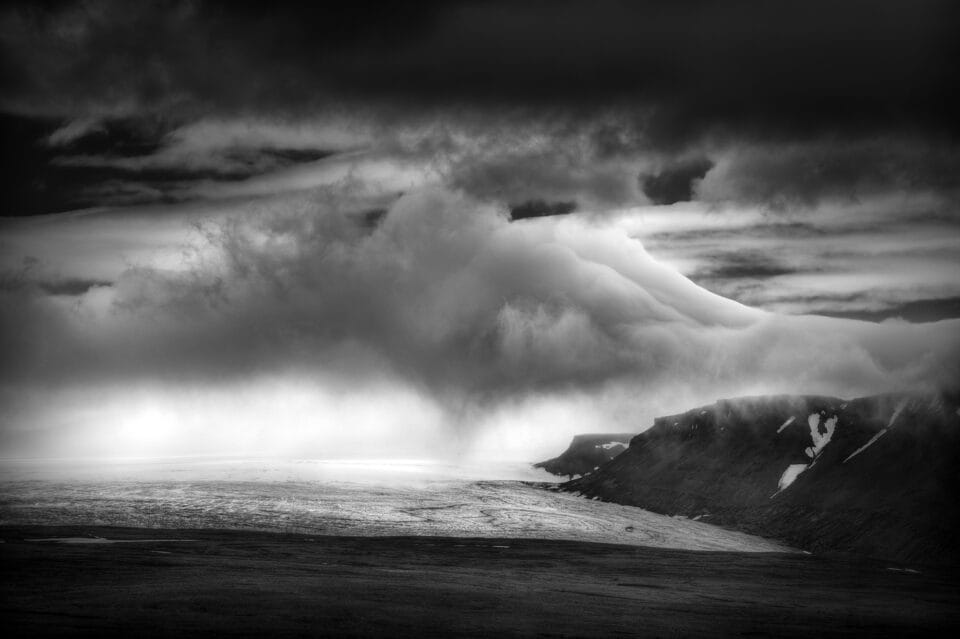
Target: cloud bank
{"points": [[444, 305], [441, 214], [744, 65]]}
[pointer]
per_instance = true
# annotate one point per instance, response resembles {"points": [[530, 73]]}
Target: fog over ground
{"points": [[465, 229]]}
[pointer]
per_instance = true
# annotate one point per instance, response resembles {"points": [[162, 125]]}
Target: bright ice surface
{"points": [[339, 498]]}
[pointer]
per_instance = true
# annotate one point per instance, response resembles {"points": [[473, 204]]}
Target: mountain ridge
{"points": [[586, 452], [876, 476]]}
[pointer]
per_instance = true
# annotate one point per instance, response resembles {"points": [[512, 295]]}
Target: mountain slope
{"points": [[586, 452], [877, 475]]}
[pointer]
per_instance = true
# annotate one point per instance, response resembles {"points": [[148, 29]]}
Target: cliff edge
{"points": [[586, 453]]}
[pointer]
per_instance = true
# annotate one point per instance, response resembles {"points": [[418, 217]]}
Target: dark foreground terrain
{"points": [[189, 582]]}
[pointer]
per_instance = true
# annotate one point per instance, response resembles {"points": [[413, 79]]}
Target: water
{"points": [[370, 497]]}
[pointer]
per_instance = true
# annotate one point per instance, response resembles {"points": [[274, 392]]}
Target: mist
{"points": [[443, 329]]}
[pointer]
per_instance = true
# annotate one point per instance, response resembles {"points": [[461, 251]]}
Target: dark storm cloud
{"points": [[117, 137], [71, 286], [927, 310], [674, 183], [762, 67], [691, 77], [371, 219], [541, 208], [30, 279], [802, 174], [551, 165], [769, 230], [742, 264], [50, 168], [28, 184]]}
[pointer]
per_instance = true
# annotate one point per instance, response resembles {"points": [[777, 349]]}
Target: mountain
{"points": [[877, 476], [586, 452]]}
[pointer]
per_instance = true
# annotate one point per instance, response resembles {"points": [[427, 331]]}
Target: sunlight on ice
{"points": [[352, 497]]}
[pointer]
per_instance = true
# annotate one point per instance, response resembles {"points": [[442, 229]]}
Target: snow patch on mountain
{"points": [[897, 411], [790, 475], [819, 439], [883, 431], [788, 422], [610, 445], [865, 446]]}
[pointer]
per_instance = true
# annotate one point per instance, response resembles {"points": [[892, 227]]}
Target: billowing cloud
{"points": [[864, 257], [278, 214], [447, 299]]}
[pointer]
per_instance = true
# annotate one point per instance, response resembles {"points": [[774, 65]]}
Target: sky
{"points": [[464, 228]]}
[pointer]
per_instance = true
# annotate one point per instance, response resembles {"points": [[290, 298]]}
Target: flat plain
{"points": [[102, 581]]}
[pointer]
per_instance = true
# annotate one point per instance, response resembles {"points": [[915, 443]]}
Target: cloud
{"points": [[541, 208], [802, 174], [553, 175], [675, 183], [356, 170], [129, 160], [447, 299], [694, 66], [508, 101], [923, 310], [862, 256], [742, 264]]}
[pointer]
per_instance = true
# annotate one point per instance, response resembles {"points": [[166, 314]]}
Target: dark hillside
{"points": [[585, 453], [877, 476]]}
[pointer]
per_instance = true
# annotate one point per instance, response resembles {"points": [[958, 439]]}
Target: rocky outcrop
{"points": [[877, 476], [587, 452]]}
